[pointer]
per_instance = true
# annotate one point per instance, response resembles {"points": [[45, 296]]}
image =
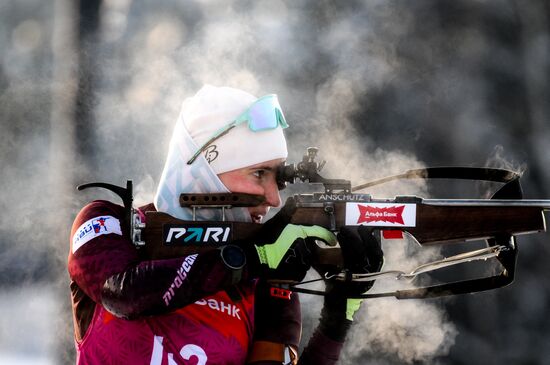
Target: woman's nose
{"points": [[272, 196]]}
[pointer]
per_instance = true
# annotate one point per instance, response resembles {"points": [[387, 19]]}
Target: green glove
{"points": [[352, 306], [280, 250], [290, 257], [272, 254]]}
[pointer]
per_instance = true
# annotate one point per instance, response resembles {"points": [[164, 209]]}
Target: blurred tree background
{"points": [[89, 90]]}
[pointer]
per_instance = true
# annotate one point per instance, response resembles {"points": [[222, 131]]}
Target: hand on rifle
{"points": [[362, 254], [280, 250]]}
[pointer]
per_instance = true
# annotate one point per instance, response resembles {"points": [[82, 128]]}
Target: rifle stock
{"points": [[446, 224], [436, 222], [155, 247]]}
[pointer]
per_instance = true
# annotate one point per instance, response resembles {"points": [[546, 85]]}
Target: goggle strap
{"points": [[280, 118]]}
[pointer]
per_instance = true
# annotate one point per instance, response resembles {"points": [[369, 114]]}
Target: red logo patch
{"points": [[280, 293], [369, 214]]}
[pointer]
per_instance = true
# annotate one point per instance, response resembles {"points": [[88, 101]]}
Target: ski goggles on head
{"points": [[264, 114]]}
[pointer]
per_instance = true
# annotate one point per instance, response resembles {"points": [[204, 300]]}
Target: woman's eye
{"points": [[259, 173]]}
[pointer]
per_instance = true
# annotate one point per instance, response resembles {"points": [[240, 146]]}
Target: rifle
{"points": [[497, 220]]}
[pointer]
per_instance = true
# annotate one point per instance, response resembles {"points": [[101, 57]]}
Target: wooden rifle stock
{"points": [[436, 221], [156, 247], [445, 223]]}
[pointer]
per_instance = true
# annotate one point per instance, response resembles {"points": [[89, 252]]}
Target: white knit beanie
{"points": [[215, 107]]}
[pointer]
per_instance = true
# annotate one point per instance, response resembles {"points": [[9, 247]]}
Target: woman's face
{"points": [[259, 179]]}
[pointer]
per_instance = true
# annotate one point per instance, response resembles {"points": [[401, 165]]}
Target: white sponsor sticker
{"points": [[381, 214], [95, 227]]}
